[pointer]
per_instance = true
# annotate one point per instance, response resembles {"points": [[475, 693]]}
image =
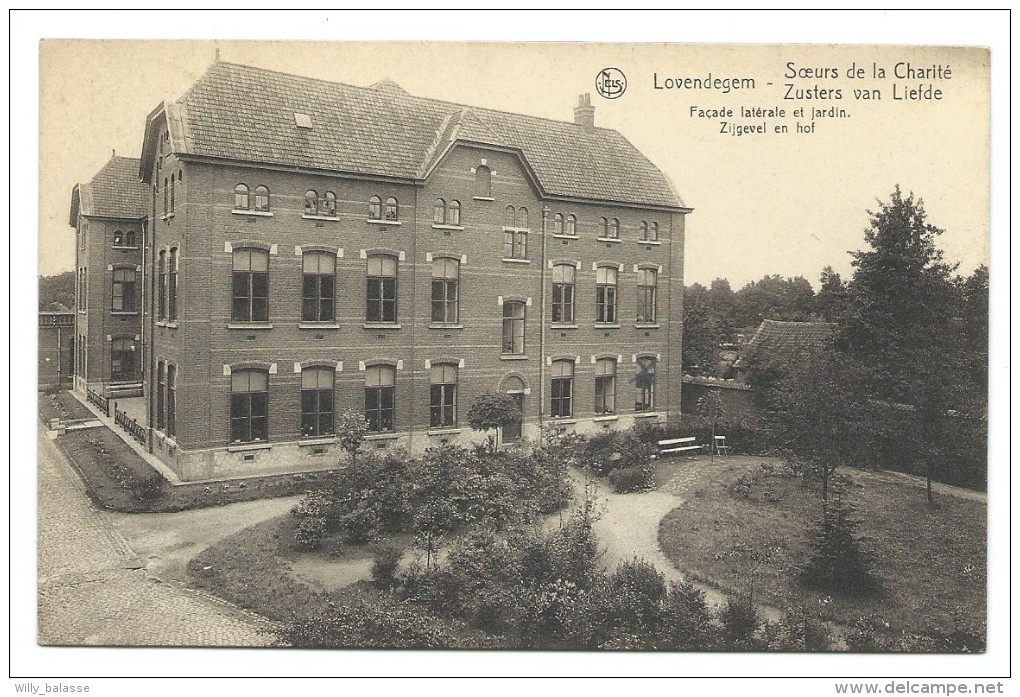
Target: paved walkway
{"points": [[94, 591]]}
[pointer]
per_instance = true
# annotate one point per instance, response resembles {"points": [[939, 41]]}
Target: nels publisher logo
{"points": [[610, 83]]}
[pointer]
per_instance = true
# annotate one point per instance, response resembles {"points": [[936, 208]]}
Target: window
{"points": [[653, 232], [510, 217], [381, 290], [118, 238], [483, 181], [605, 294], [318, 287], [123, 290], [439, 217], [605, 386], [249, 406], [375, 208], [317, 401], [171, 400], [172, 286], [645, 382], [558, 224], [328, 207], [445, 275], [250, 286], [515, 233], [446, 213], [311, 202], [161, 396], [261, 198], [562, 387], [443, 396], [166, 196], [173, 202], [379, 386], [563, 293], [122, 360], [646, 295], [571, 225], [241, 200], [513, 327], [392, 210], [604, 228], [614, 229], [522, 218], [644, 230], [130, 239], [161, 291]]}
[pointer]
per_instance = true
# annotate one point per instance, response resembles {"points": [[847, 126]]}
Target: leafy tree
{"points": [[57, 289], [831, 297], [774, 297], [702, 334], [351, 429], [491, 411]]}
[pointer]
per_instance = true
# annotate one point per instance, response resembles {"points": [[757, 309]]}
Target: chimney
{"points": [[584, 112]]}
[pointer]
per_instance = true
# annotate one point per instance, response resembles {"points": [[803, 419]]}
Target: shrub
{"points": [[366, 626], [740, 621], [385, 561], [798, 631], [310, 532], [686, 623], [629, 479]]}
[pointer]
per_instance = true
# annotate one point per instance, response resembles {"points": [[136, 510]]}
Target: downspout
{"points": [[541, 335], [413, 324], [149, 249]]}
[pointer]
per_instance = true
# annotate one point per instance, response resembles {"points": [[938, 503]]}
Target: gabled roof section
{"points": [[779, 345], [114, 192], [241, 113]]}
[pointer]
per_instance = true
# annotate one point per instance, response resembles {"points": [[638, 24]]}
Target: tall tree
{"points": [[702, 335], [57, 289], [831, 297]]}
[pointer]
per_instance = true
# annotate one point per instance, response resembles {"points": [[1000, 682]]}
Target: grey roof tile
{"points": [[115, 191]]}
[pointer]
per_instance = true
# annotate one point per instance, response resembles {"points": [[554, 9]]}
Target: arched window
{"points": [[162, 281], [522, 217], [241, 200], [380, 385], [118, 238], [604, 227], [558, 224], [172, 285], [605, 294], [563, 293], [443, 396], [562, 373], [311, 202], [653, 232], [483, 181], [392, 210], [317, 401], [445, 291], [453, 213], [261, 198], [166, 195], [375, 208], [644, 380], [130, 238], [171, 400], [605, 386], [614, 229], [644, 230], [329, 204], [249, 405], [381, 289], [161, 396], [318, 287], [509, 217], [250, 301], [439, 217], [173, 195], [571, 225]]}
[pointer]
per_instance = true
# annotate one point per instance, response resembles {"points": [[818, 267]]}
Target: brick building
{"points": [[317, 247], [108, 214], [56, 347]]}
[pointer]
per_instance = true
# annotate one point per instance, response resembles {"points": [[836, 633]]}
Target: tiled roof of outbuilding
{"points": [[780, 344], [115, 191], [244, 113]]}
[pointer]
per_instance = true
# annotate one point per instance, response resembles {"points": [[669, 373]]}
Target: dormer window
{"points": [[571, 225], [558, 224]]}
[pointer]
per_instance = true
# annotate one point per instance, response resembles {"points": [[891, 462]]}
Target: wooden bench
{"points": [[679, 445]]}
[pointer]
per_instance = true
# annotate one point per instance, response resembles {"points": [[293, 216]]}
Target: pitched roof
{"points": [[244, 113], [779, 344], [114, 192]]}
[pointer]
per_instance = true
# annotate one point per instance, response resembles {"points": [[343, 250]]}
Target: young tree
{"points": [[351, 429], [491, 411]]}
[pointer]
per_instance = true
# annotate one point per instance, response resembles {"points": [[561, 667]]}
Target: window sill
{"points": [[482, 198], [514, 260], [308, 216], [606, 417], [444, 226], [382, 223], [446, 431], [612, 240], [318, 325], [166, 216], [263, 214], [124, 313], [647, 325], [381, 325], [646, 415], [312, 441], [245, 447], [563, 420], [125, 247], [561, 236], [250, 325], [381, 436], [562, 325], [168, 325], [654, 243], [606, 325], [513, 357], [441, 325]]}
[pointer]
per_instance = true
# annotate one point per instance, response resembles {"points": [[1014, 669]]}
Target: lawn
{"points": [[931, 564]]}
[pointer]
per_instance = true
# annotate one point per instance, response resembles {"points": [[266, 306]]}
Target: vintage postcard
{"points": [[594, 347]]}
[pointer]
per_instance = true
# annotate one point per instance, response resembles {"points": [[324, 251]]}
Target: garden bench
{"points": [[679, 445]]}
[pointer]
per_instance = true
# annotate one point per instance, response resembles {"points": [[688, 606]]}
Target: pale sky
{"points": [[788, 204]]}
